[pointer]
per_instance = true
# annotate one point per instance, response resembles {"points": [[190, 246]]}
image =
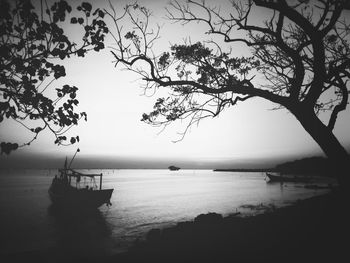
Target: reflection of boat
{"points": [[173, 168], [83, 195], [74, 240], [287, 178]]}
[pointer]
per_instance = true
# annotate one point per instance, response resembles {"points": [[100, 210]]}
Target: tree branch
{"points": [[341, 106]]}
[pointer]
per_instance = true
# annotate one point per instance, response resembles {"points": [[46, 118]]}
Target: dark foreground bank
{"points": [[312, 230]]}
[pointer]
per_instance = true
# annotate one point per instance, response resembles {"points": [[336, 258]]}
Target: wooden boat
{"points": [[83, 195], [288, 178]]}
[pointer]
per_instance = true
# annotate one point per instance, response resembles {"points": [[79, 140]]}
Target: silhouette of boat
{"points": [[83, 195], [287, 178], [173, 168]]}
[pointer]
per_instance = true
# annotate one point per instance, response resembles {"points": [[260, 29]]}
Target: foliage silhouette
{"points": [[301, 51], [32, 39]]}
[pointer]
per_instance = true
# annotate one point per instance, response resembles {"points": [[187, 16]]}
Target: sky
{"points": [[249, 135]]}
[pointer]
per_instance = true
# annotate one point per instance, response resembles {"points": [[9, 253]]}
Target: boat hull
{"points": [[82, 198], [294, 179]]}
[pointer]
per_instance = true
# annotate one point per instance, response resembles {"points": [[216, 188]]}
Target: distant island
{"points": [[173, 168], [312, 165]]}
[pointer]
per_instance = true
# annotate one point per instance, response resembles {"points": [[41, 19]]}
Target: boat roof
{"points": [[73, 173]]}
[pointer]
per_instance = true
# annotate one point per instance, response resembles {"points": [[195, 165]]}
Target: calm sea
{"points": [[142, 200]]}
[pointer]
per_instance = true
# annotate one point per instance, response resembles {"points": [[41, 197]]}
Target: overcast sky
{"points": [[248, 135]]}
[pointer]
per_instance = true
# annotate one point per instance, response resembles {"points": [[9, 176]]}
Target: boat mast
{"points": [[78, 150]]}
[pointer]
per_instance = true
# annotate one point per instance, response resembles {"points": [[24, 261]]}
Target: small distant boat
{"points": [[83, 195], [287, 178], [173, 168]]}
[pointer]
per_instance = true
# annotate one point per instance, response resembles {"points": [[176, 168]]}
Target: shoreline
{"points": [[245, 170], [311, 229]]}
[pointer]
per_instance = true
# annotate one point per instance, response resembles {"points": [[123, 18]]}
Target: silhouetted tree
{"points": [[300, 54], [31, 40]]}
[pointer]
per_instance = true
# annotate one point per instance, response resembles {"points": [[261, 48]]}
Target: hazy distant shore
{"points": [[311, 230], [314, 166], [246, 170]]}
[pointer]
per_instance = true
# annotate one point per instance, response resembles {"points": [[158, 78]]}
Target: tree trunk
{"points": [[336, 153]]}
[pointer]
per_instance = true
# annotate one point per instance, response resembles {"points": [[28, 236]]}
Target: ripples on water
{"points": [[142, 199]]}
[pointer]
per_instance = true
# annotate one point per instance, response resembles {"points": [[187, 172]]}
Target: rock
{"points": [[209, 218], [153, 235]]}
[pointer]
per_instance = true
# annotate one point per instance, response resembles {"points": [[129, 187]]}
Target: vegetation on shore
{"points": [[312, 165]]}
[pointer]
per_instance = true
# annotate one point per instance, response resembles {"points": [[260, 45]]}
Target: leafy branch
{"points": [[30, 43]]}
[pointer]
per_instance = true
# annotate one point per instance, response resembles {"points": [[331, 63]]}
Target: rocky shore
{"points": [[312, 230]]}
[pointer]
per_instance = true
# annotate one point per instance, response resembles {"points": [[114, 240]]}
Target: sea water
{"points": [[142, 200]]}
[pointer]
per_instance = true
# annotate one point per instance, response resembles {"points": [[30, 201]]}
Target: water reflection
{"points": [[145, 199], [80, 234]]}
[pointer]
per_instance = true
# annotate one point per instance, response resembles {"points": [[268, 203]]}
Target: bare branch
{"points": [[341, 106], [301, 55]]}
